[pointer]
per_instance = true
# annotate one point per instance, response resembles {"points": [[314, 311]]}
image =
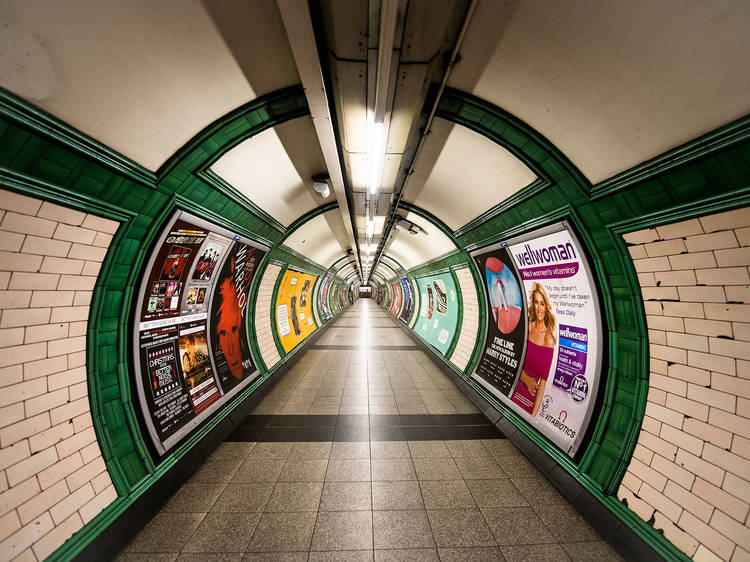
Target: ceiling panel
{"points": [[320, 239], [141, 77], [414, 250], [611, 84], [274, 169], [461, 174]]}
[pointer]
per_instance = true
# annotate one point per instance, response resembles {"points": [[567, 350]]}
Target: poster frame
{"points": [[162, 447], [558, 226]]}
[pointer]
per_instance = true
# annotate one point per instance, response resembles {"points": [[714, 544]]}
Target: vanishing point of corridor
{"points": [[366, 450]]}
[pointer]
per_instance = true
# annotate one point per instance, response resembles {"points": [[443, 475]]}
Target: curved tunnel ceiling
{"points": [[610, 85]]}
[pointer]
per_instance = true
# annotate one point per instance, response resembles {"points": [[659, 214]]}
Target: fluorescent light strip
{"points": [[375, 156]]}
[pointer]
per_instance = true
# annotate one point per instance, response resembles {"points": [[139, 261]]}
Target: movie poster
{"points": [[196, 365], [200, 279], [230, 342], [325, 310], [294, 317], [558, 376], [167, 279], [408, 307], [438, 316], [396, 305]]}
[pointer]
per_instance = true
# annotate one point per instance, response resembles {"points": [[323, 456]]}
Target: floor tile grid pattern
{"points": [[415, 500]]}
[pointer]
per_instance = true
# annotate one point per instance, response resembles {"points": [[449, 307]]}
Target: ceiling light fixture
{"points": [[375, 156]]}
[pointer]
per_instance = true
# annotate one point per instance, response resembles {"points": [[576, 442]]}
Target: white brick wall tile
{"points": [[667, 353], [737, 218], [681, 439], [69, 313], [72, 503], [721, 499], [712, 397], [729, 422], [69, 411], [4, 280], [715, 241], [82, 422], [738, 293], [60, 470], [637, 252], [700, 467], [728, 461], [741, 555], [67, 345], [709, 537], [729, 384], [715, 363], [50, 437], [653, 264], [697, 260], [689, 374], [9, 524], [62, 265], [12, 414], [31, 466], [14, 299], [734, 257], [675, 278], [103, 240], [708, 327], [727, 526], [46, 332], [25, 224], [21, 430], [22, 391], [66, 377], [642, 236], [25, 317], [674, 534], [76, 442], [665, 415], [33, 281], [723, 276], [74, 234], [665, 248], [18, 542], [79, 390], [741, 331], [694, 504], [42, 502], [101, 483], [731, 312], [10, 261], [679, 229], [701, 294], [668, 384], [44, 367], [730, 348], [683, 309], [737, 487], [62, 214], [82, 298], [11, 375], [95, 506], [11, 201], [76, 360], [673, 471], [707, 432], [77, 328], [647, 474], [100, 224], [741, 446], [13, 454], [85, 474], [56, 537], [11, 241], [45, 246], [659, 293], [86, 252], [669, 323], [660, 502], [702, 554]]}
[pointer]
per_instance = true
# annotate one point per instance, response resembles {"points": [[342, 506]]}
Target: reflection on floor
{"points": [[363, 451]]}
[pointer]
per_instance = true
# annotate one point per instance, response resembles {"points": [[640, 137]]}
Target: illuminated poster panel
{"points": [[396, 304], [294, 318], [543, 349], [333, 297], [325, 309], [438, 313], [408, 297], [189, 362], [388, 297]]}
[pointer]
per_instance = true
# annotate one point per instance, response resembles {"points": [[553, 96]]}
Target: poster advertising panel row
{"points": [[542, 354], [324, 293], [294, 317], [408, 297], [191, 344], [397, 298], [438, 311]]}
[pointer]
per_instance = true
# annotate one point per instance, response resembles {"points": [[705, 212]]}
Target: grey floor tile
{"points": [[479, 468], [166, 532], [343, 530], [397, 495], [348, 470], [407, 555], [295, 496], [390, 450], [534, 553], [283, 532], [215, 472], [500, 447], [275, 557], [436, 469], [576, 528], [271, 451], [446, 494], [483, 553], [402, 529], [517, 525], [194, 498], [232, 450], [538, 491], [210, 557], [428, 449], [500, 492], [346, 496], [517, 465], [146, 557], [459, 527], [341, 556], [393, 469], [598, 551], [311, 450], [298, 470], [352, 450], [223, 532], [466, 448], [258, 470], [243, 498]]}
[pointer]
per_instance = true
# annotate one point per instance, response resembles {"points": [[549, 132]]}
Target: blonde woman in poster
{"points": [[541, 348]]}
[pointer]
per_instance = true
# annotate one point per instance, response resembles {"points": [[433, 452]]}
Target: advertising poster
{"points": [[408, 307], [501, 358], [558, 377], [196, 365], [438, 314], [325, 309], [230, 343], [396, 304], [168, 278], [199, 281], [388, 297], [294, 318]]}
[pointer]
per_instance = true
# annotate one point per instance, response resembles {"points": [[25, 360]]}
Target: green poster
{"points": [[438, 312]]}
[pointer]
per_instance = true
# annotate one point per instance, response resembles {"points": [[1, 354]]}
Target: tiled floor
{"points": [[365, 450]]}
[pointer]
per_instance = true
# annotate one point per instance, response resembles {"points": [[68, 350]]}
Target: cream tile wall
{"points": [[690, 474], [470, 324], [263, 308], [52, 476]]}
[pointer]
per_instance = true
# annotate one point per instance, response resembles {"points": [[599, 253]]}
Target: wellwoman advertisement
{"points": [[552, 381]]}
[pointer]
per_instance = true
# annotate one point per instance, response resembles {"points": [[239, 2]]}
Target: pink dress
{"points": [[537, 364]]}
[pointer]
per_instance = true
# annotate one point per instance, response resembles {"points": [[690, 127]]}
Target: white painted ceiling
{"points": [[314, 239], [274, 169], [414, 250], [461, 174]]}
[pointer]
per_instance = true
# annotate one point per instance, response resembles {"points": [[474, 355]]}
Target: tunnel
{"points": [[374, 280]]}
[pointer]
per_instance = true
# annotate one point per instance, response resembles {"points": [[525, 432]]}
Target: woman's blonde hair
{"points": [[549, 318]]}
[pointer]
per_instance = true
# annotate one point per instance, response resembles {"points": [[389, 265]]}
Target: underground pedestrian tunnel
{"points": [[386, 279]]}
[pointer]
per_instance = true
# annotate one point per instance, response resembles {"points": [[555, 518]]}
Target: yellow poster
{"points": [[294, 317]]}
